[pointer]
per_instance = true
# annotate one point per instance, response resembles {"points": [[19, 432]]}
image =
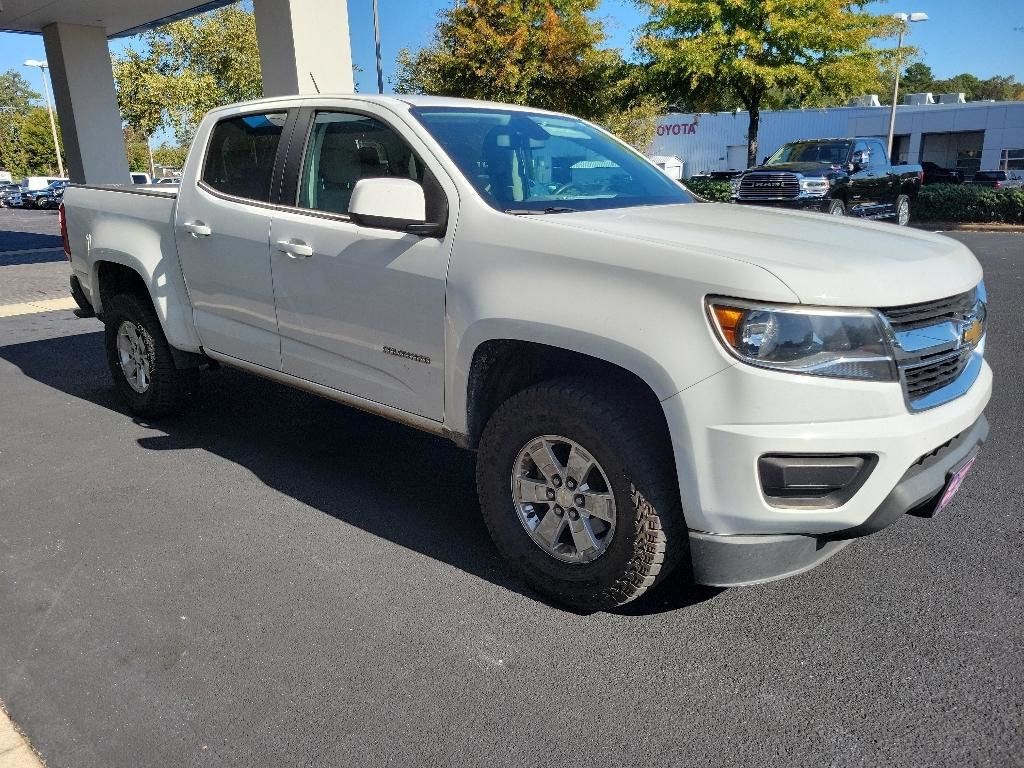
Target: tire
{"points": [[836, 208], [634, 482], [902, 210], [165, 387]]}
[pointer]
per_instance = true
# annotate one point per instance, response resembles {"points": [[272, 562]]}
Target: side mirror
{"points": [[388, 203]]}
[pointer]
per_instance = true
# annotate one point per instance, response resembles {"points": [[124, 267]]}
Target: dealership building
{"points": [[982, 135]]}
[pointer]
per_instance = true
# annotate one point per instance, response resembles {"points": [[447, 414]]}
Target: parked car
{"points": [[836, 176], [48, 197], [169, 180], [936, 174], [10, 195], [139, 177], [36, 183], [999, 179], [649, 381]]}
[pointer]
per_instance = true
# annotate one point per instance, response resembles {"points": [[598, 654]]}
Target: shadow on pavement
{"points": [[18, 240], [395, 482]]}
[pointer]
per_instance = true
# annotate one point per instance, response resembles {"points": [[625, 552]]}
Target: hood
{"points": [[822, 259], [807, 169]]}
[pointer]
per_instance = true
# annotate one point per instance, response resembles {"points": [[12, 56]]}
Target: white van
{"points": [[33, 183]]}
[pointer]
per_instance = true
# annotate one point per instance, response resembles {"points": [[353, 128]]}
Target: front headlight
{"points": [[814, 186], [820, 341]]}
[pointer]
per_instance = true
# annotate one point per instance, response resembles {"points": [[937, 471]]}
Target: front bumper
{"points": [[793, 203], [721, 426], [726, 561]]}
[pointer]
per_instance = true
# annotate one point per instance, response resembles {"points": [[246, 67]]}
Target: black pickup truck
{"points": [[835, 176]]}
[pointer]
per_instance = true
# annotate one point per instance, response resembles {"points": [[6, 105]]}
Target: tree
{"points": [[16, 98], [187, 68], [810, 51], [170, 157], [35, 139], [917, 78], [542, 53]]}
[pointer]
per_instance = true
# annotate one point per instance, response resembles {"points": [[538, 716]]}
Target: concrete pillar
{"points": [[304, 46], [83, 87]]}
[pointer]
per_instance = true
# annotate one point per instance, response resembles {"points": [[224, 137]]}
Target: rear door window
{"points": [[241, 154]]}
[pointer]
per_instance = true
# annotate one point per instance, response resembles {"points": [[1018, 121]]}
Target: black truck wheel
{"points": [[836, 208], [140, 359], [579, 494], [903, 210]]}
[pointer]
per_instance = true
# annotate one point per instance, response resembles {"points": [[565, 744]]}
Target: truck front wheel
{"points": [[140, 359], [579, 494], [836, 208]]}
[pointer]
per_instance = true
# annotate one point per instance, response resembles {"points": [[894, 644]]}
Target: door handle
{"points": [[294, 248], [197, 229]]}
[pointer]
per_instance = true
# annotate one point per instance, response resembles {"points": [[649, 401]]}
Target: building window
{"points": [[1012, 160]]}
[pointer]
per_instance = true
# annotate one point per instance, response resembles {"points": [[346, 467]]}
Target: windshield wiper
{"points": [[540, 211]]}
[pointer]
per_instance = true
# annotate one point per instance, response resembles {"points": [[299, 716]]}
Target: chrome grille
{"points": [[921, 380], [931, 351], [762, 185], [930, 312]]}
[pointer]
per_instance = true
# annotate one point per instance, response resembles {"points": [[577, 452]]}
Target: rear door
{"points": [[361, 309], [222, 231]]}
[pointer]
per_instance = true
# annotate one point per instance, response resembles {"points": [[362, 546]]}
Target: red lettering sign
{"points": [[676, 129]]}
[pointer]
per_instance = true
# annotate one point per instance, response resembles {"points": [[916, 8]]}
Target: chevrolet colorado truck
{"points": [[841, 177], [649, 382]]}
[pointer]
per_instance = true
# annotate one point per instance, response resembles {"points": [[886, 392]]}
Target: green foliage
{"points": [[27, 148], [16, 98], [709, 189], [918, 78], [170, 157], [969, 203], [765, 53], [541, 53], [187, 68]]}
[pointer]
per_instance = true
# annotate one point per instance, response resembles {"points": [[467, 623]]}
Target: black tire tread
{"points": [[660, 540], [169, 386]]}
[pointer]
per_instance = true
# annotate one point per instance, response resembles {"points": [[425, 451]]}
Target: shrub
{"points": [[969, 203], [709, 189]]}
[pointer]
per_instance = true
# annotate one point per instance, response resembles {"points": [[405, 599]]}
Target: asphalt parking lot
{"points": [[272, 579]]}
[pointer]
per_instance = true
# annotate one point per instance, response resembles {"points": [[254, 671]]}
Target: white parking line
{"points": [[35, 307], [15, 751]]}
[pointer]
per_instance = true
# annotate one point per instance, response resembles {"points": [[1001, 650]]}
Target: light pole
{"points": [[49, 108], [376, 36], [904, 18]]}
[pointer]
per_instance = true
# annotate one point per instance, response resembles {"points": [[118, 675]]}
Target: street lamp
{"points": [[49, 108], [376, 37], [904, 19]]}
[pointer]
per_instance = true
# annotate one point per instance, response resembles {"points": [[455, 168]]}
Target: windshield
{"points": [[828, 153], [524, 162]]}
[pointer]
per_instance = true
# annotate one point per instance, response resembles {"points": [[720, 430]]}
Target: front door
{"points": [[222, 231], [360, 309], [863, 180]]}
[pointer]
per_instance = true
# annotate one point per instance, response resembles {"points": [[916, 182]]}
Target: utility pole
{"points": [[904, 18], [376, 35], [42, 65]]}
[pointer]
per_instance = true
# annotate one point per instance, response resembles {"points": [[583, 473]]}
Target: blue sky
{"points": [[978, 37]]}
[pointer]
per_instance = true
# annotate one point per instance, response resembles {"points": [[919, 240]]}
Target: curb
{"points": [[960, 226]]}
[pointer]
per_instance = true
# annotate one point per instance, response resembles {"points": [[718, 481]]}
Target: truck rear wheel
{"points": [[140, 359], [579, 494]]}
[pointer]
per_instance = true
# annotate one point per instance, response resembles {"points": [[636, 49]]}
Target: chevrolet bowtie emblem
{"points": [[972, 331]]}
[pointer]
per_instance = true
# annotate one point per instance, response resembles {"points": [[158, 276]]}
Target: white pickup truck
{"points": [[649, 380]]}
